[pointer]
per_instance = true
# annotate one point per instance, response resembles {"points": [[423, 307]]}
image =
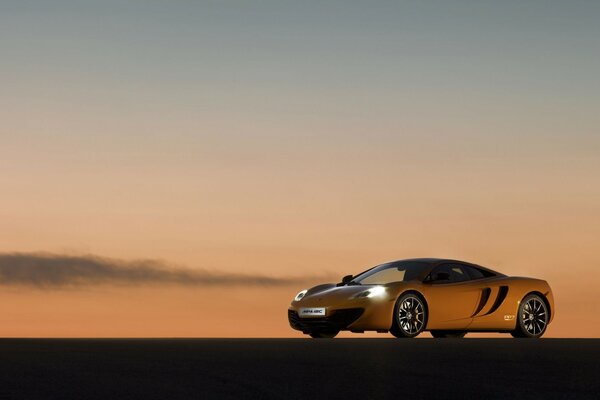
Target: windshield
{"points": [[398, 271]]}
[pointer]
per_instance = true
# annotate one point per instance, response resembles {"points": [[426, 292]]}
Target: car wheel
{"points": [[448, 334], [532, 319], [410, 316], [324, 335]]}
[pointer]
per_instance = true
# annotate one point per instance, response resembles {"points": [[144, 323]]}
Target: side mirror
{"points": [[345, 280]]}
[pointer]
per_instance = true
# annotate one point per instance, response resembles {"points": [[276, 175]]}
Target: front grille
{"points": [[338, 320]]}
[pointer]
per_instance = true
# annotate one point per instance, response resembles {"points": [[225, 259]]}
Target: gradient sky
{"points": [[292, 138]]}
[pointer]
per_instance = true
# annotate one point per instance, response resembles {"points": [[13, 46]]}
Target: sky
{"points": [[289, 143]]}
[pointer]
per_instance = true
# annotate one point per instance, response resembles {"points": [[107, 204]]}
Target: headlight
{"points": [[375, 291], [300, 295]]}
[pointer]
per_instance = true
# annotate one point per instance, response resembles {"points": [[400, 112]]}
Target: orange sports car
{"points": [[448, 298]]}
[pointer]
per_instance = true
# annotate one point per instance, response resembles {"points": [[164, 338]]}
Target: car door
{"points": [[451, 296]]}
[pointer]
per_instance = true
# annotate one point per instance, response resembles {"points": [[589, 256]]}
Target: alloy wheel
{"points": [[534, 316], [411, 315]]}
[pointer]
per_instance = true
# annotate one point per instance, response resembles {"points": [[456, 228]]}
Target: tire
{"points": [[410, 316], [532, 319], [448, 334], [324, 335]]}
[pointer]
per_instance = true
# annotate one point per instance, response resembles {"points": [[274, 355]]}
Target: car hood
{"points": [[331, 293]]}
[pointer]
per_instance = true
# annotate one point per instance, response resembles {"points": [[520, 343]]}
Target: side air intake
{"points": [[485, 295], [499, 300]]}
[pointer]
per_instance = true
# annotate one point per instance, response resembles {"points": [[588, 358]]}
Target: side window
{"points": [[449, 273], [474, 273], [437, 275], [458, 273]]}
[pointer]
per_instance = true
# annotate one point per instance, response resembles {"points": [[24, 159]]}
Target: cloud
{"points": [[48, 270]]}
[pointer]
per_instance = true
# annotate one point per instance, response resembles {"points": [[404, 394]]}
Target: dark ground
{"points": [[299, 368]]}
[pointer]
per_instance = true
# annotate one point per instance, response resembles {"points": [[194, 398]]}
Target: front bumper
{"points": [[338, 320]]}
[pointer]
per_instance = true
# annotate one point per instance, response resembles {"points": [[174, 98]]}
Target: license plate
{"points": [[312, 312]]}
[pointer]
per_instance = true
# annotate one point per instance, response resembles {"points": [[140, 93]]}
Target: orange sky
{"points": [[288, 141]]}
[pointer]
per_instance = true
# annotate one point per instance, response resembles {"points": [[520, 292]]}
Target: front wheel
{"points": [[410, 316], [324, 335], [532, 319], [448, 334]]}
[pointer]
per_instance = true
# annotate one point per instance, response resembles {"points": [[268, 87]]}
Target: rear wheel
{"points": [[448, 334], [324, 335], [410, 316], [533, 317]]}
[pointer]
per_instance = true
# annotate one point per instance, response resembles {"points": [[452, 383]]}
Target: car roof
{"points": [[434, 261], [429, 260]]}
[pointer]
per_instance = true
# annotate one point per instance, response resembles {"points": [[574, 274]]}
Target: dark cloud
{"points": [[47, 270]]}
